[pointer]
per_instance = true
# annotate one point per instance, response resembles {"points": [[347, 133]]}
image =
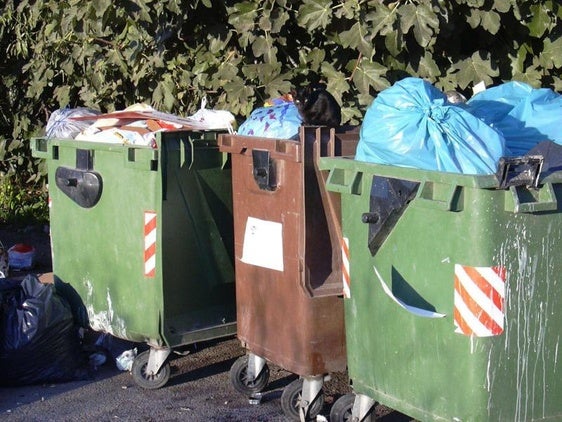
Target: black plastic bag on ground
{"points": [[38, 338]]}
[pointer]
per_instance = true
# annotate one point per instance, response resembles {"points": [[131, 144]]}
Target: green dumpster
{"points": [[143, 239], [453, 306]]}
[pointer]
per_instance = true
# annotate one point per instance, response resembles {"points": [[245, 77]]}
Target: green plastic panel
{"points": [[421, 365], [174, 201]]}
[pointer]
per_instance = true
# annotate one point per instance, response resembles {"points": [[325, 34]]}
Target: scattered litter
{"points": [[122, 351], [21, 256], [97, 359], [255, 398], [125, 360]]}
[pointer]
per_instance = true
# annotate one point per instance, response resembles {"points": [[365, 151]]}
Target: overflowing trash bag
{"points": [[412, 124], [134, 125], [524, 115], [280, 120], [39, 341], [61, 124]]}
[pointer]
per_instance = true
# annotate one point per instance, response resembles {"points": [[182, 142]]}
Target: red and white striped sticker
{"points": [[345, 267], [479, 300], [149, 243]]}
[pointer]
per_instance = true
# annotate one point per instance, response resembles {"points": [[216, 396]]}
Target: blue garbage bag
{"points": [[412, 124], [525, 115], [281, 121]]}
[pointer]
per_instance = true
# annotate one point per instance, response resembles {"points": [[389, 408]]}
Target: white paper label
{"points": [[263, 244]]}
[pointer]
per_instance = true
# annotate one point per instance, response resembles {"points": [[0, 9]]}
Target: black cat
{"points": [[317, 106]]}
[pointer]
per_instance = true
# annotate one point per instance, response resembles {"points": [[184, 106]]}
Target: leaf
{"points": [[163, 96], [242, 16], [217, 45], [239, 97], [475, 69], [427, 68], [365, 99], [540, 22], [312, 59], [115, 57], [423, 21], [393, 42], [62, 94], [557, 84], [491, 21], [336, 81], [551, 54], [448, 81], [475, 3], [518, 61], [347, 9], [277, 86], [227, 71], [250, 71], [502, 6], [279, 18], [264, 23], [531, 75], [315, 14], [381, 20], [370, 74], [101, 6], [260, 46], [352, 115], [354, 38], [474, 18]]}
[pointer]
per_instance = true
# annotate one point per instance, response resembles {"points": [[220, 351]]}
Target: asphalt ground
{"points": [[199, 388]]}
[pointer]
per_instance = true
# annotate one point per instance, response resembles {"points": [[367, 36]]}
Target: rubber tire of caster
{"points": [[342, 408], [141, 377], [290, 401], [240, 381]]}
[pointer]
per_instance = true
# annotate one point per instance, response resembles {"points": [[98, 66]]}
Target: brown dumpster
{"points": [[287, 263]]}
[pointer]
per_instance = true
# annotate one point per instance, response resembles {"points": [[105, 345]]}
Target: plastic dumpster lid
{"points": [[549, 171]]}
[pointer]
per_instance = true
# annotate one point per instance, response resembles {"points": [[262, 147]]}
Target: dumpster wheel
{"points": [[342, 409], [291, 400], [144, 380], [240, 381]]}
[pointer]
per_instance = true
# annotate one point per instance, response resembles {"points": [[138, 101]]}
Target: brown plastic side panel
{"points": [[280, 316]]}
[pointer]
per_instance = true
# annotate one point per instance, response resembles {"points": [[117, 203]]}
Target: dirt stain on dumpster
{"points": [[105, 320], [528, 350]]}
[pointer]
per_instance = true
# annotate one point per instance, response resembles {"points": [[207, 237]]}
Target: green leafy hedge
{"points": [[170, 53]]}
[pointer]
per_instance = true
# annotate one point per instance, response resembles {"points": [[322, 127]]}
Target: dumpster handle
{"points": [[337, 181], [40, 148], [425, 197], [546, 200], [424, 313]]}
